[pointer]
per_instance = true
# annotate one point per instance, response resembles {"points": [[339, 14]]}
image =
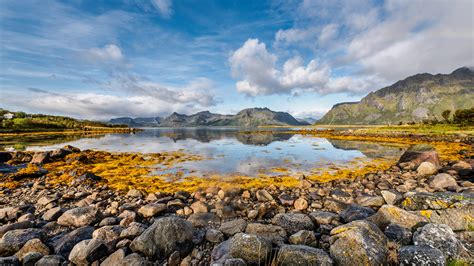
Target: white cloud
{"points": [[163, 7], [110, 52]]}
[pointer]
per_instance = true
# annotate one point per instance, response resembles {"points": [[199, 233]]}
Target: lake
{"points": [[226, 150]]}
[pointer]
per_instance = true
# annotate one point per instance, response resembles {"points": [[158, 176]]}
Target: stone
{"points": [[13, 240], [87, 178], [165, 236], [233, 227], [5, 156], [51, 260], [438, 236], [127, 217], [462, 165], [421, 255], [134, 193], [301, 204], [203, 219], [59, 153], [263, 195], [426, 168], [442, 181], [30, 258], [303, 237], [358, 243], [323, 217], [388, 214], [9, 213], [251, 248], [391, 197], [293, 222], [133, 230], [52, 214], [115, 258], [199, 206], [9, 261], [220, 251], [235, 262], [109, 221], [398, 234], [152, 209], [45, 200], [136, 260], [252, 214], [110, 234], [79, 217], [88, 251], [214, 236], [289, 255], [14, 226], [416, 154], [40, 157], [63, 244], [286, 199], [370, 201], [355, 212], [437, 201], [33, 245], [334, 205], [275, 234]]}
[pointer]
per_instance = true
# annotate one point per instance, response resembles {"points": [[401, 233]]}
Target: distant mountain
{"points": [[414, 99], [251, 117]]}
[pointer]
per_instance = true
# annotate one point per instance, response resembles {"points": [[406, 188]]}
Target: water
{"points": [[226, 150]]}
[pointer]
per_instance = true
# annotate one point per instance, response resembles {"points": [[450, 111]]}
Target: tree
{"points": [[445, 114], [464, 116]]}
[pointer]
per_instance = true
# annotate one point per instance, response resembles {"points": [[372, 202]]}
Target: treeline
{"points": [[23, 122], [463, 117]]}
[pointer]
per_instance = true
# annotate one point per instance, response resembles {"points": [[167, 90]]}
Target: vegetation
{"points": [[464, 117], [23, 122]]}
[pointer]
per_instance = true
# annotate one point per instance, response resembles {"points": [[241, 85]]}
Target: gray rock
{"points": [[398, 234], [30, 258], [214, 236], [426, 168], [293, 222], [33, 245], [275, 234], [234, 262], [109, 221], [251, 248], [289, 255], [115, 258], [134, 193], [63, 244], [416, 154], [52, 214], [79, 217], [13, 240], [88, 251], [355, 212], [436, 201], [304, 237], [203, 219], [391, 197], [152, 209], [233, 227], [14, 226], [110, 234], [165, 236], [220, 251], [263, 195], [9, 261], [421, 255], [133, 230], [389, 214], [50, 260], [358, 243], [9, 213], [370, 201], [135, 260], [323, 217], [438, 236], [442, 181], [40, 157]]}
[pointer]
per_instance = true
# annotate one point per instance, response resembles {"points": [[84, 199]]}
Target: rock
{"points": [[235, 262], [275, 234], [286, 199], [251, 248], [88, 251], [462, 165], [9, 261], [110, 234], [199, 206], [115, 258], [416, 154], [63, 244], [220, 251], [334, 205], [398, 234], [203, 219], [87, 178], [14, 226], [263, 195], [30, 259], [421, 255], [5, 156], [45, 200], [152, 209], [59, 153], [134, 193], [304, 237], [355, 212], [289, 255], [442, 181], [133, 230], [293, 222], [13, 240], [391, 197], [127, 217], [438, 236], [165, 236], [52, 214], [33, 245], [50, 260], [358, 243], [323, 217], [301, 204], [370, 201], [9, 213], [79, 217], [214, 236], [135, 259], [436, 201], [233, 227], [388, 214], [109, 221], [426, 168], [40, 157], [252, 214]]}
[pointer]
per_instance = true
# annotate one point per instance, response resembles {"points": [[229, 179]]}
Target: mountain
{"points": [[414, 99], [251, 117]]}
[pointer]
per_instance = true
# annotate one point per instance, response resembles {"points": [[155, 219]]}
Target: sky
{"points": [[99, 59]]}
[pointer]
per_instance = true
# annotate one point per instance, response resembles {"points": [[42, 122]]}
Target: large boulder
{"points": [[203, 219], [80, 216], [33, 245], [389, 214], [233, 227], [442, 181], [152, 209], [426, 168], [63, 244], [293, 222], [274, 233], [421, 255], [438, 236], [358, 243], [289, 255], [40, 157], [88, 251], [416, 154], [355, 212], [13, 240], [251, 248], [165, 236]]}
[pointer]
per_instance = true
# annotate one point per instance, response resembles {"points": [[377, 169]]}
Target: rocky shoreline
{"points": [[420, 211]]}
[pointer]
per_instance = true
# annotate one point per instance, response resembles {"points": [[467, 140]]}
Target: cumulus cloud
{"points": [[163, 7], [110, 52]]}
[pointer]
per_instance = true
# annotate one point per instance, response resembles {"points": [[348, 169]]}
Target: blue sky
{"points": [[102, 59]]}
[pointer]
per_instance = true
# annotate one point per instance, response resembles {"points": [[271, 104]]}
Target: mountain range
{"points": [[251, 117], [414, 99]]}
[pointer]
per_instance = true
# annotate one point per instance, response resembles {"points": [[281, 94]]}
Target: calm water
{"points": [[227, 150]]}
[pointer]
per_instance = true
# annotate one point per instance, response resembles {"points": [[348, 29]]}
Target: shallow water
{"points": [[226, 150]]}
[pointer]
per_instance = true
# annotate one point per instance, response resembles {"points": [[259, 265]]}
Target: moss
{"points": [[426, 213]]}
